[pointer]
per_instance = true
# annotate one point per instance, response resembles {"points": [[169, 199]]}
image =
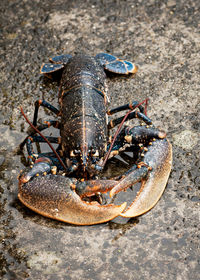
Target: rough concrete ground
{"points": [[162, 38]]}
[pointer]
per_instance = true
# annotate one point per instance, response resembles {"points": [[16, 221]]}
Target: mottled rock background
{"points": [[162, 38]]}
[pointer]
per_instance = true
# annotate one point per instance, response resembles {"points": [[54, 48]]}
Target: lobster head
{"points": [[85, 161]]}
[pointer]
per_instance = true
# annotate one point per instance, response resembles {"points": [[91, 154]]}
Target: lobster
{"points": [[65, 184]]}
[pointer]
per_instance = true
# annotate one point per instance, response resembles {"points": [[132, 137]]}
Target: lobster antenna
{"points": [[51, 147], [119, 128]]}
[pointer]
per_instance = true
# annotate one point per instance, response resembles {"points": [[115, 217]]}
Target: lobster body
{"points": [[82, 106], [73, 195]]}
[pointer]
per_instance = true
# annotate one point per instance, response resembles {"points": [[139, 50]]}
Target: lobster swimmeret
{"points": [[72, 195]]}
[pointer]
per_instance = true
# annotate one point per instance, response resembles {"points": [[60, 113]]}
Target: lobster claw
{"points": [[159, 158], [52, 196]]}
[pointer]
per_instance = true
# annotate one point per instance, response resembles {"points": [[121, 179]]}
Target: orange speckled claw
{"points": [[159, 158], [52, 196]]}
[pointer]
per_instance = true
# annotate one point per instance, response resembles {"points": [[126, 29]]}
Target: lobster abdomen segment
{"points": [[80, 71]]}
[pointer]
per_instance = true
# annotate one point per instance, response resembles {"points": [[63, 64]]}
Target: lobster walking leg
{"points": [[38, 139], [131, 116], [129, 106], [47, 124], [45, 104], [40, 127]]}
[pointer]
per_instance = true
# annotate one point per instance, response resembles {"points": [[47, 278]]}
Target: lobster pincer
{"points": [[153, 172], [54, 196]]}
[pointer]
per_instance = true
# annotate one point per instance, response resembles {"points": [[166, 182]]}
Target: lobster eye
{"points": [[72, 154], [95, 153]]}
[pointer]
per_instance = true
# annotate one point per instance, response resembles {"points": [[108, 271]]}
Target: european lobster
{"points": [[72, 194]]}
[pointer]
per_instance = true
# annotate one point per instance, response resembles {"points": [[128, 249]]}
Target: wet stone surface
{"points": [[162, 38]]}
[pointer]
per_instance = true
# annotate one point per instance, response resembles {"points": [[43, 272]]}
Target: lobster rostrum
{"points": [[65, 184]]}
